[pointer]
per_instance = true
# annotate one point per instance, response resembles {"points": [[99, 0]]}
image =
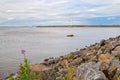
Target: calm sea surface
{"points": [[41, 43]]}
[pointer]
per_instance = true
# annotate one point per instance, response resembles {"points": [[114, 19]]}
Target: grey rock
{"points": [[52, 61], [116, 43], [102, 43], [90, 71]]}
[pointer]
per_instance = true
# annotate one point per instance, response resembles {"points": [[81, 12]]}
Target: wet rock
{"points": [[51, 61], [102, 43], [46, 59]]}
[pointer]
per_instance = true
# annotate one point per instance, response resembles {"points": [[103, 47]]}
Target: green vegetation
{"points": [[118, 57], [70, 72], [24, 71], [116, 77]]}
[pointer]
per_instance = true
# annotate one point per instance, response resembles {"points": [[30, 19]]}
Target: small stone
{"points": [[46, 59]]}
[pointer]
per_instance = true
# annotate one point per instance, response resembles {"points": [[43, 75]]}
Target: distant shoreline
{"points": [[79, 26], [62, 26]]}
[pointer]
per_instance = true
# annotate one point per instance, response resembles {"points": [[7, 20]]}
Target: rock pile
{"points": [[99, 61]]}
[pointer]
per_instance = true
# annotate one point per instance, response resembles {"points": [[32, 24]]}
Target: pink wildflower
{"points": [[23, 51]]}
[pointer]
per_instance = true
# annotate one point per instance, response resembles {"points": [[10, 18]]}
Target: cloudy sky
{"points": [[58, 12]]}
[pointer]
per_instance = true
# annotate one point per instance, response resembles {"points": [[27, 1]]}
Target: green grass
{"points": [[24, 68], [70, 72], [118, 57], [116, 77], [25, 73]]}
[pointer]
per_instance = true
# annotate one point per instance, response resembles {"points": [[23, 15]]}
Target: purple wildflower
{"points": [[23, 51]]}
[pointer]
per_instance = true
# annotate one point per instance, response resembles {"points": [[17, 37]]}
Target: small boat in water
{"points": [[71, 35]]}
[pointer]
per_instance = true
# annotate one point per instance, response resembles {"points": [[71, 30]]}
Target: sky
{"points": [[59, 12]]}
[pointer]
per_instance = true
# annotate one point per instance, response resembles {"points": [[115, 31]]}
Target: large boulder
{"points": [[90, 71]]}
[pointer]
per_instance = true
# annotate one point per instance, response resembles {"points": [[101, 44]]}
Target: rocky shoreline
{"points": [[100, 61]]}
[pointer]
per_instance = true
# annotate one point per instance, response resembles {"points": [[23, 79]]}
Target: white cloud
{"points": [[107, 10], [92, 10], [57, 9], [58, 2]]}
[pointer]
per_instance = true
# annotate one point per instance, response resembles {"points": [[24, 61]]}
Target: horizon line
{"points": [[93, 25]]}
